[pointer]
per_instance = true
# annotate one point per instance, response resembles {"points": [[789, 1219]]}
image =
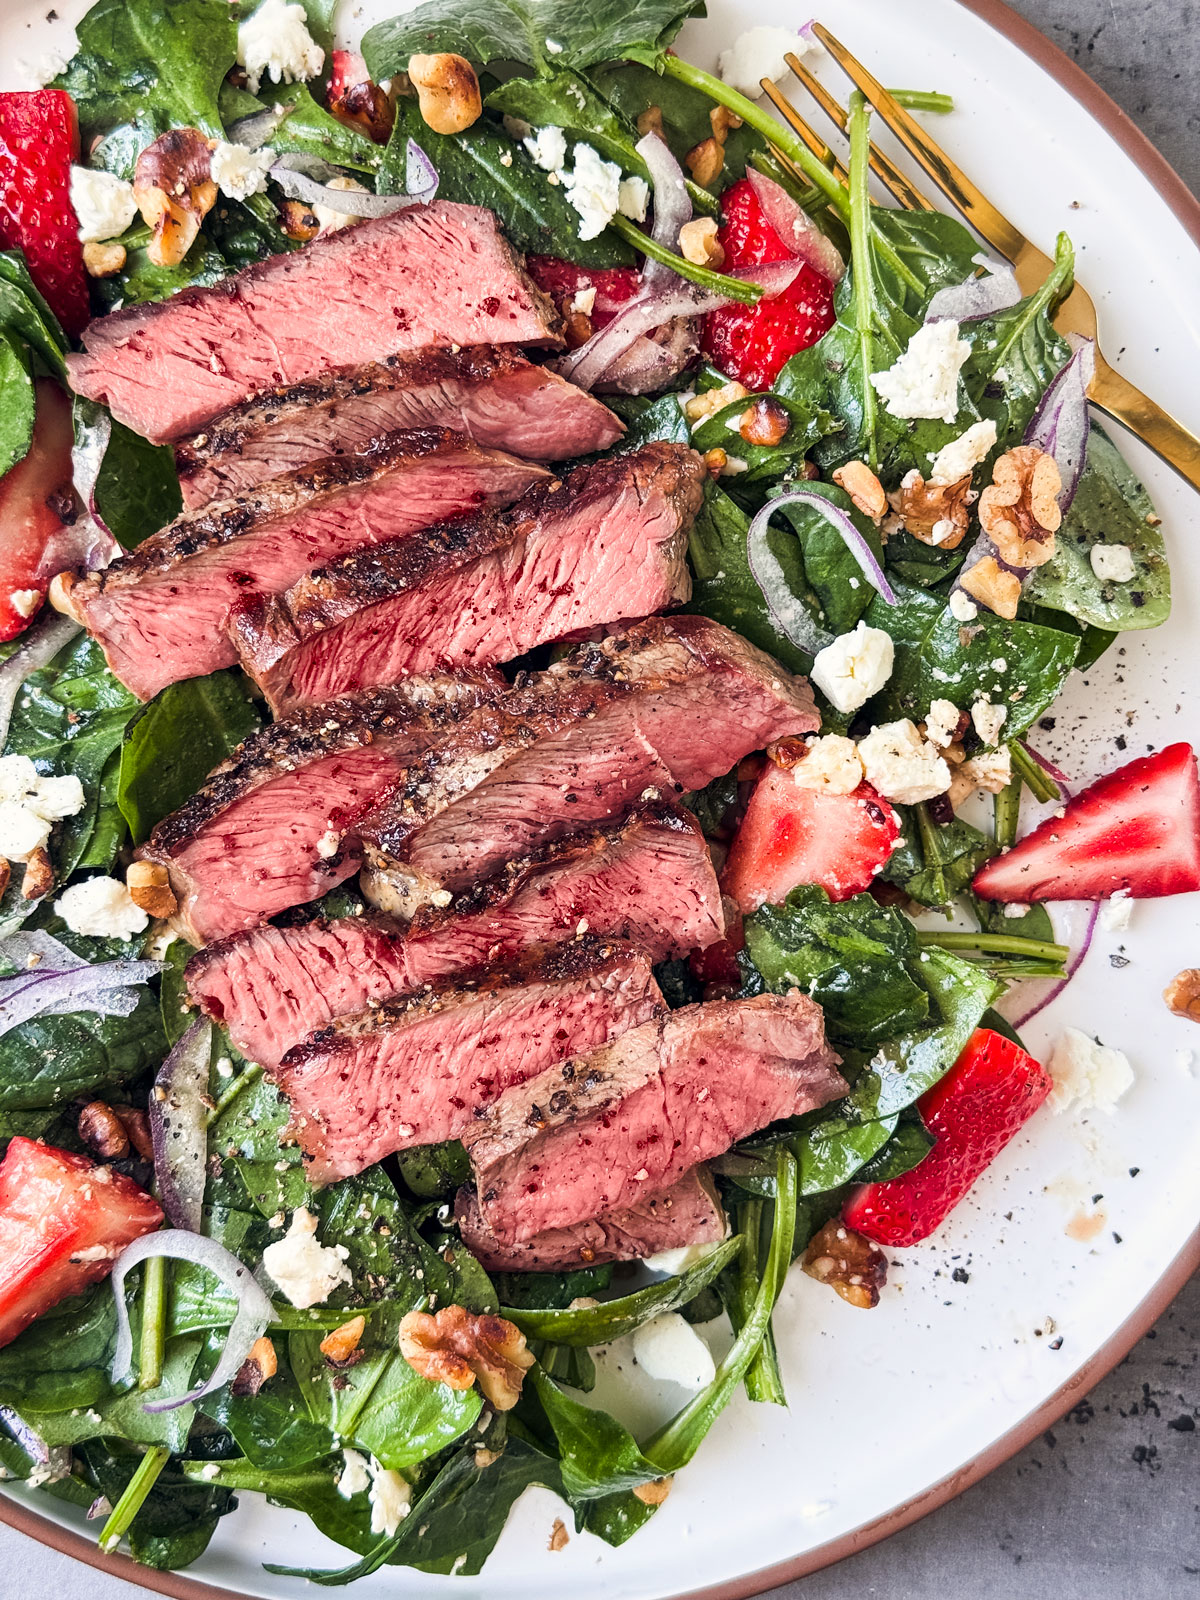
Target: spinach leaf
{"points": [[140, 280], [51, 1059], [765, 462], [307, 128], [25, 313], [306, 1484], [836, 1149], [61, 1361], [632, 88], [433, 1171], [554, 1291], [174, 744], [564, 99], [932, 863], [906, 1149], [17, 401], [834, 585], [124, 1416], [137, 492], [647, 420], [1111, 506], [176, 1519], [597, 1455]]}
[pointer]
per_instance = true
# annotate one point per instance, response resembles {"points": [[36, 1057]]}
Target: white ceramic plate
{"points": [[988, 1329]]}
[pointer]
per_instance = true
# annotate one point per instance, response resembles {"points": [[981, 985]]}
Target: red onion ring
{"points": [[61, 989], [93, 433], [254, 1314], [1061, 423], [796, 229], [789, 614], [179, 1127], [977, 297], [1073, 965], [255, 130], [420, 174], [672, 203], [1049, 769], [858, 547], [299, 184], [38, 648]]}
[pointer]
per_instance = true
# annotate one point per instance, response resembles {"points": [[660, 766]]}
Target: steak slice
{"points": [[440, 274], [665, 705], [491, 393], [687, 1213], [647, 880], [417, 1069], [160, 612], [273, 826], [591, 1135], [609, 544]]}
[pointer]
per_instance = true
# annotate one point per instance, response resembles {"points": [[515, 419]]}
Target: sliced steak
{"points": [[665, 705], [491, 393], [160, 611], [609, 544], [274, 825], [440, 274], [591, 1135], [415, 1070], [647, 880], [687, 1213]]}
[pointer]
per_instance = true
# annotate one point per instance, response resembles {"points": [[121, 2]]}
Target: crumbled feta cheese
{"points": [[1113, 563], [901, 765], [1014, 909], [988, 720], [329, 220], [678, 1259], [305, 1271], [554, 47], [25, 601], [22, 831], [593, 187], [275, 42], [962, 607], [354, 1477], [102, 907], [962, 455], [211, 1471], [990, 771], [391, 1497], [854, 667], [632, 198], [669, 1349], [102, 202], [941, 722], [584, 300], [547, 148], [831, 764], [1087, 1074], [1115, 913], [239, 172], [327, 844], [944, 528], [924, 381], [756, 54]]}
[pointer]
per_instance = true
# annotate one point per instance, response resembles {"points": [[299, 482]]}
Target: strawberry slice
{"points": [[34, 496], [63, 1221], [563, 280], [1138, 830], [752, 343], [346, 71], [39, 139], [791, 835], [989, 1093]]}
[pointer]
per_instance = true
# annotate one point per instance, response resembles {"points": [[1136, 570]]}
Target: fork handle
{"points": [[1117, 398]]}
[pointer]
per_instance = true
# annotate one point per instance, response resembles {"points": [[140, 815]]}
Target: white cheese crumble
{"points": [[329, 220], [547, 148], [901, 765], [756, 54], [391, 1497], [831, 765], [275, 42], [584, 300], [102, 202], [1087, 1074], [354, 1477], [593, 187], [962, 455], [676, 1260], [25, 601], [990, 771], [633, 197], [670, 1350], [1115, 913], [327, 844], [1112, 563], [924, 381], [962, 607], [305, 1271], [21, 831], [988, 720], [239, 172], [941, 722], [103, 908], [854, 667]]}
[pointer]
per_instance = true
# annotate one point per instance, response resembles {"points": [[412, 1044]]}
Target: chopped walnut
{"points": [[39, 874], [341, 1347], [137, 1126], [715, 461], [1019, 510], [651, 121], [711, 401], [934, 513], [577, 328], [559, 1537], [704, 161], [299, 221], [765, 422], [447, 91], [103, 259], [103, 1131], [365, 106], [788, 753], [723, 122], [258, 1366], [455, 1346], [988, 583], [1182, 994], [851, 1265], [699, 244], [654, 1492], [149, 886], [174, 190], [863, 487]]}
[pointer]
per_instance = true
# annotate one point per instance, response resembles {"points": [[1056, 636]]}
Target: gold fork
{"points": [[1109, 391]]}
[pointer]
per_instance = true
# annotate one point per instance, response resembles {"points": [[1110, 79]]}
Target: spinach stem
{"points": [[860, 250], [923, 100], [748, 293], [242, 1081], [1006, 813], [154, 1319], [131, 1502], [932, 851], [1003, 944], [1035, 778]]}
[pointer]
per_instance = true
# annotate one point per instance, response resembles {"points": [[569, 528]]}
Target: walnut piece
{"points": [[863, 487], [365, 106], [137, 1126], [174, 190], [341, 1347], [1019, 510], [455, 1346], [39, 874], [5, 874], [934, 513], [103, 259], [988, 583], [258, 1366], [150, 888], [654, 1492], [715, 461], [103, 1131], [699, 244], [447, 91], [723, 121], [1182, 994], [764, 422], [299, 221], [704, 161], [710, 401], [849, 1263], [651, 121]]}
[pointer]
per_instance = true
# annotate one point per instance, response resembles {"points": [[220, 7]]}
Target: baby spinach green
{"points": [[52, 1059], [564, 99], [308, 1484], [765, 462], [632, 88], [61, 1361], [177, 1517], [907, 1148], [932, 863], [17, 401], [646, 420], [433, 1171], [137, 492], [306, 128], [27, 316]]}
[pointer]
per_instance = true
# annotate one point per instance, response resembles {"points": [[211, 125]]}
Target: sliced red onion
{"points": [[789, 614], [796, 228], [254, 1313], [93, 433], [36, 991], [34, 1446], [38, 648], [858, 547], [672, 203], [1029, 1007], [420, 174], [996, 291], [179, 1127], [1061, 422], [1051, 771], [298, 184]]}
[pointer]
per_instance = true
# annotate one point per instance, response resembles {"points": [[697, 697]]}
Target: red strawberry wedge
{"points": [[35, 543], [39, 139], [791, 835], [989, 1093], [563, 280], [1137, 830], [753, 343]]}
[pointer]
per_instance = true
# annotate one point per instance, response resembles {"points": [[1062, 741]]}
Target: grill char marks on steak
{"points": [[440, 274], [415, 1070], [687, 1213], [608, 544], [592, 1135], [492, 393], [274, 826], [666, 704], [647, 880], [160, 612]]}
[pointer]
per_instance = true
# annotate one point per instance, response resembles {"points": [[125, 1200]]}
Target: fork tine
{"points": [[798, 125], [888, 173], [950, 178]]}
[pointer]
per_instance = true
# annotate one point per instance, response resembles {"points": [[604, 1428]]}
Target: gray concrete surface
{"points": [[1104, 1505]]}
